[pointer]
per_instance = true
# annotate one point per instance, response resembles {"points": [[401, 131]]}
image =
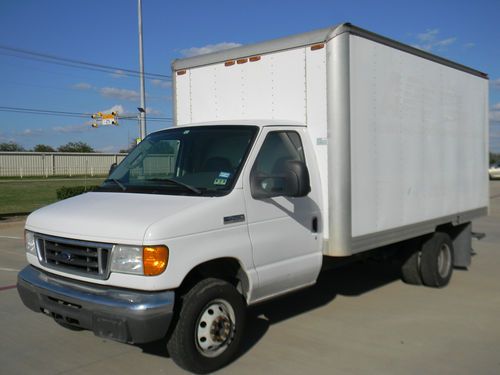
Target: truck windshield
{"points": [[201, 160]]}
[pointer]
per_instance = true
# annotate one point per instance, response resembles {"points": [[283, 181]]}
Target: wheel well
{"points": [[227, 269], [446, 228], [452, 230]]}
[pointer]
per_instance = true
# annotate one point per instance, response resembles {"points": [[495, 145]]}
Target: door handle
{"points": [[314, 225]]}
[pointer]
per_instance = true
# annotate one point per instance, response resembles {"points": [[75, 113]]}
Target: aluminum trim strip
{"points": [[372, 241], [339, 145]]}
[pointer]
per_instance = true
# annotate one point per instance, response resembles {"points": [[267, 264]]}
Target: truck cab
{"points": [[191, 203]]}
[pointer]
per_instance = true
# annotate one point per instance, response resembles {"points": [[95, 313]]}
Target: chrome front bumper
{"points": [[118, 314]]}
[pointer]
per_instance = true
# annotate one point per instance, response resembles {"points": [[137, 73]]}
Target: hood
{"points": [[109, 217]]}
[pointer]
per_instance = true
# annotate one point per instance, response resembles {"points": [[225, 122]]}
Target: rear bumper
{"points": [[118, 314]]}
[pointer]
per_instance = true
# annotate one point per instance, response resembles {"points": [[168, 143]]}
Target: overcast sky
{"points": [[105, 32]]}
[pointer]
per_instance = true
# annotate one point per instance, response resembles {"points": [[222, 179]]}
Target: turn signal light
{"points": [[317, 46], [154, 259]]}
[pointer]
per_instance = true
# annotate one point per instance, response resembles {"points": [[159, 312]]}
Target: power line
{"points": [[37, 111], [43, 112], [74, 63]]}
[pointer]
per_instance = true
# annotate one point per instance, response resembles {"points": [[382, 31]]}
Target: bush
{"points": [[68, 192]]}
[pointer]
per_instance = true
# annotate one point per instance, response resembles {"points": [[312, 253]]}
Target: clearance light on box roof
{"points": [[317, 46]]}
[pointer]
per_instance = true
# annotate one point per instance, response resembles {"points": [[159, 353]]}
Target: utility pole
{"points": [[142, 114]]}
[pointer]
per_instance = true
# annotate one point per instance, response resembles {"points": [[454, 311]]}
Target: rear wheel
{"points": [[209, 328], [410, 268], [436, 262]]}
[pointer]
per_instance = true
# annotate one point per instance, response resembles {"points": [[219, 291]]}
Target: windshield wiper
{"points": [[178, 183], [116, 182]]}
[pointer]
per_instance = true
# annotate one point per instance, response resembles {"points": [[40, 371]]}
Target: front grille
{"points": [[89, 259]]}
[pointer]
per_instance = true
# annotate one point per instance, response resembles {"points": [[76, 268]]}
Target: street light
{"points": [[142, 114]]}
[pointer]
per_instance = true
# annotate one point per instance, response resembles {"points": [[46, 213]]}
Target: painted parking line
{"points": [[8, 269], [12, 237], [7, 287]]}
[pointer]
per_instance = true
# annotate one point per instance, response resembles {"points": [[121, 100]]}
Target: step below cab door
{"points": [[285, 231]]}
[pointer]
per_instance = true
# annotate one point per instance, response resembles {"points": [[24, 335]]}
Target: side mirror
{"points": [[293, 182], [112, 168], [297, 183]]}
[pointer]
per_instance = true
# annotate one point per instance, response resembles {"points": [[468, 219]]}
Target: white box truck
{"points": [[285, 155]]}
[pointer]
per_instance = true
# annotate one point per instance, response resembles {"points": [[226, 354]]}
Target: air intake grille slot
{"points": [[89, 259]]}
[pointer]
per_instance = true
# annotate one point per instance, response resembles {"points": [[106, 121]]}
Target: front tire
{"points": [[209, 327]]}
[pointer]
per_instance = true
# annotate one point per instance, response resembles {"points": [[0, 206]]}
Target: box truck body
{"points": [[286, 156], [400, 135]]}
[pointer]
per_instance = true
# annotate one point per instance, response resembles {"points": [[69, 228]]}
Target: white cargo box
{"points": [[401, 136]]}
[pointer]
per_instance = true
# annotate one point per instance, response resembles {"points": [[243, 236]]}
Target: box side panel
{"points": [[289, 84], [182, 100], [417, 139], [272, 87]]}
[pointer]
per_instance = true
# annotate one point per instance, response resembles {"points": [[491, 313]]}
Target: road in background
{"points": [[357, 320]]}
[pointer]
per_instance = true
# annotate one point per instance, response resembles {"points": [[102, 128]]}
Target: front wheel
{"points": [[209, 327]]}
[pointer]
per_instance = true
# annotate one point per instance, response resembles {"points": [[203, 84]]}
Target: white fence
{"points": [[24, 164]]}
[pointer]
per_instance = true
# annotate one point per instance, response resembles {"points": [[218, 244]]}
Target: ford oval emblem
{"points": [[66, 256]]}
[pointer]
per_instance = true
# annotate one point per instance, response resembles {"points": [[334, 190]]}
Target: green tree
{"points": [[75, 147], [43, 148], [11, 146]]}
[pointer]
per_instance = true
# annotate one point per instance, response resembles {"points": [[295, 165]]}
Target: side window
{"points": [[278, 148]]}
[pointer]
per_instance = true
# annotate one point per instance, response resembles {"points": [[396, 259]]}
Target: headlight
{"points": [[127, 259], [29, 240], [138, 260]]}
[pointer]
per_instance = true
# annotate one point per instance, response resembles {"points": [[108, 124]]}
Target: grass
{"points": [[27, 195], [30, 178]]}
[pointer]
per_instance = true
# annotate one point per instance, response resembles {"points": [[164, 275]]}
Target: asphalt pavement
{"points": [[357, 320]]}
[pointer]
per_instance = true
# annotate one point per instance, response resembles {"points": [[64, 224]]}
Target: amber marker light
{"points": [[181, 72], [317, 46], [254, 58], [154, 259], [241, 61], [229, 63]]}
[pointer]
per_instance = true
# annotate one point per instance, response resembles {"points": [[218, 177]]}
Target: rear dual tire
{"points": [[436, 262], [431, 264]]}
